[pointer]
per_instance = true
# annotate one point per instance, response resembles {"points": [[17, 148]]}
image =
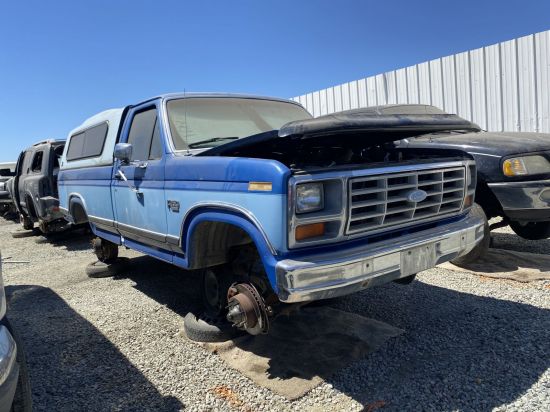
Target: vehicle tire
{"points": [[18, 234], [215, 283], [100, 269], [208, 329], [482, 247], [531, 230], [105, 251], [27, 223], [406, 280]]}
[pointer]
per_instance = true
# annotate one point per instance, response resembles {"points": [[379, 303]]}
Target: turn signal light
{"points": [[514, 167], [469, 201], [309, 231]]}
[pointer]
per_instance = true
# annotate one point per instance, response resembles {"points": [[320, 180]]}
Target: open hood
{"points": [[368, 126]]}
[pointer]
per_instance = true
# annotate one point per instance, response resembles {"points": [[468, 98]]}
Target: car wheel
{"points": [[105, 251], [482, 247], [27, 223], [208, 329], [531, 230]]}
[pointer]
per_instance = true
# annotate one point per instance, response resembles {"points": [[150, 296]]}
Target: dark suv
{"points": [[35, 186]]}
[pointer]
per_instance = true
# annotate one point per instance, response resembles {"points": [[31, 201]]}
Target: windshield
{"points": [[211, 121]]}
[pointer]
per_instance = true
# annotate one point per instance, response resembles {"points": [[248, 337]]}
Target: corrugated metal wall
{"points": [[503, 87]]}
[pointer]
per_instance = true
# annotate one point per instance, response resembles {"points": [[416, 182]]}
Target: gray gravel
{"points": [[470, 343]]}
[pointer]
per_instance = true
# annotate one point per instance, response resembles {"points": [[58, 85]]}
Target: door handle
{"points": [[121, 176]]}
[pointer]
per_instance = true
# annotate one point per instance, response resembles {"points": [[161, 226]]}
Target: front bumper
{"points": [[340, 273], [526, 201], [9, 369]]}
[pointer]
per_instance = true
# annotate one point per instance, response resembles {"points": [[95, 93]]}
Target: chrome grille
{"points": [[380, 201]]}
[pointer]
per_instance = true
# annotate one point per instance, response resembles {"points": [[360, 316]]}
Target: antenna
{"points": [[185, 117]]}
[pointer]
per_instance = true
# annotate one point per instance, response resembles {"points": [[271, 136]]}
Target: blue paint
{"points": [[111, 237], [161, 254], [92, 184], [269, 261], [227, 170]]}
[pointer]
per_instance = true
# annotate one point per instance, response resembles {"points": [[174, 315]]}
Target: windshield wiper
{"points": [[214, 139]]}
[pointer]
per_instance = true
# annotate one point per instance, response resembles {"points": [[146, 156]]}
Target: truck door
{"points": [[139, 204]]}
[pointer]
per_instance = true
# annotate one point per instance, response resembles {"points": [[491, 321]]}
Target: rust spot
{"points": [[227, 394]]}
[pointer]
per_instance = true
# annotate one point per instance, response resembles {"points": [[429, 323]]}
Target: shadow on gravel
{"points": [[72, 365], [512, 241], [169, 285], [71, 240], [459, 351]]}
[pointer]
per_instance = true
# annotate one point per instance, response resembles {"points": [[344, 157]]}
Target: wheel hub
{"points": [[246, 309]]}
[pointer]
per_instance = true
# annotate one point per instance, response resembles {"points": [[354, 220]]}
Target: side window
{"points": [[88, 143], [57, 152], [27, 163], [145, 136], [156, 146], [37, 161]]}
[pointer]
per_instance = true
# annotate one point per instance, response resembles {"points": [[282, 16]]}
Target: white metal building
{"points": [[502, 87]]}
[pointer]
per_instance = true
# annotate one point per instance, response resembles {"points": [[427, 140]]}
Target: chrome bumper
{"points": [[524, 200], [344, 272]]}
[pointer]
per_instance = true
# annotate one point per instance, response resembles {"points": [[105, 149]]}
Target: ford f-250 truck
{"points": [[273, 206]]}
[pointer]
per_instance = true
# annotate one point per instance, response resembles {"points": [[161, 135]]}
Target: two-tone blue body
{"points": [[213, 189]]}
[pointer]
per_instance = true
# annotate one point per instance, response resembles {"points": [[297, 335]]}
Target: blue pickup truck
{"points": [[271, 205]]}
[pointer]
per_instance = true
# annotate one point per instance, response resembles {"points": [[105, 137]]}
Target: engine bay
{"points": [[338, 151]]}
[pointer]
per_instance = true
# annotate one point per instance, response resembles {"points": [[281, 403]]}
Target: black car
{"points": [[35, 186], [513, 177]]}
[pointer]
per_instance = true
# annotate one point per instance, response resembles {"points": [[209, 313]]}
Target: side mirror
{"points": [[123, 152]]}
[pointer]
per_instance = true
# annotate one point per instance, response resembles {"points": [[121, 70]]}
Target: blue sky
{"points": [[63, 61]]}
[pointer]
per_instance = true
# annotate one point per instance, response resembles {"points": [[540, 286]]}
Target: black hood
{"points": [[372, 125], [491, 143]]}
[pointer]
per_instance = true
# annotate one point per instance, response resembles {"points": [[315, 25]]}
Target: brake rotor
{"points": [[246, 309]]}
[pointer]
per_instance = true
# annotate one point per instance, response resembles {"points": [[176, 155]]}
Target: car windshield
{"points": [[199, 122]]}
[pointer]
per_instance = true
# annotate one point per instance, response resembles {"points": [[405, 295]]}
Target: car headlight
{"points": [[309, 197], [525, 165]]}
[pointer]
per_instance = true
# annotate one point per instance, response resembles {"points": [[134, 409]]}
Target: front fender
{"points": [[236, 218]]}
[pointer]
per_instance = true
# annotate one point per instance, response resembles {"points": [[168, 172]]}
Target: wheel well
{"points": [[77, 211], [215, 243], [30, 207], [487, 200]]}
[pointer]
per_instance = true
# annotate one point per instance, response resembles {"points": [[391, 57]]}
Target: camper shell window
{"points": [[88, 143]]}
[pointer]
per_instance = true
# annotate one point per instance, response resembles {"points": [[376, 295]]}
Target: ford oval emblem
{"points": [[416, 195]]}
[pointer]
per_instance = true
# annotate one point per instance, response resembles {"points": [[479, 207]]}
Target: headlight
{"points": [[309, 197], [526, 165]]}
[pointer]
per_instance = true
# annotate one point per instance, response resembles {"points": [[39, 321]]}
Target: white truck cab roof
{"points": [[97, 133]]}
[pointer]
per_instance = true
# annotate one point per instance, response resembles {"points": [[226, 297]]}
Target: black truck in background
{"points": [[513, 177], [35, 187]]}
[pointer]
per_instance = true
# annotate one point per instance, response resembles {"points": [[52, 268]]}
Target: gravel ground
{"points": [[470, 343]]}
